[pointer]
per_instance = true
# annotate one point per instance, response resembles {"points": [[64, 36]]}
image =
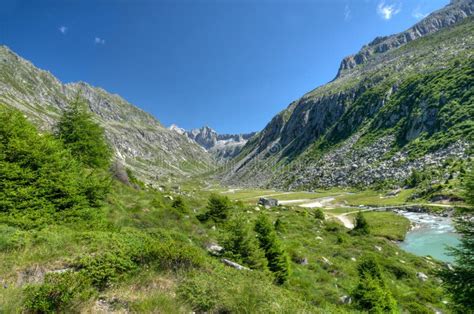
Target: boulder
{"points": [[422, 276], [268, 202], [214, 249], [345, 299]]}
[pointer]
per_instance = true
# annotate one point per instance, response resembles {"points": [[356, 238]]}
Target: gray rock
{"points": [[345, 299], [234, 264], [268, 202], [214, 249], [422, 276]]}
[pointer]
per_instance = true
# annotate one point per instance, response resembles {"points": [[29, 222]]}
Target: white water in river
{"points": [[430, 236]]}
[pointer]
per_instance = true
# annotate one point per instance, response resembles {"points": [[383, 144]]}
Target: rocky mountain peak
{"points": [[453, 13], [222, 146]]}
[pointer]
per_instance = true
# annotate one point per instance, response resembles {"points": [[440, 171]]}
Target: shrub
{"points": [[11, 238], [319, 214], [106, 268], [278, 261], [180, 205], [59, 293], [414, 179], [417, 308], [84, 137]]}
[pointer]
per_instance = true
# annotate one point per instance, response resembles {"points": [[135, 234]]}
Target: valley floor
{"points": [[183, 276]]}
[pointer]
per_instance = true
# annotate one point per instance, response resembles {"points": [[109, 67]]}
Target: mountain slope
{"points": [[222, 146], [364, 126], [138, 139]]}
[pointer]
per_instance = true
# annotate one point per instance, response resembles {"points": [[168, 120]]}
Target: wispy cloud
{"points": [[62, 29], [99, 41], [387, 11], [347, 13], [417, 14]]}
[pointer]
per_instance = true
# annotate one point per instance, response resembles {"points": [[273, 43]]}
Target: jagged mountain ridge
{"points": [[454, 12], [138, 139], [340, 133], [222, 146]]}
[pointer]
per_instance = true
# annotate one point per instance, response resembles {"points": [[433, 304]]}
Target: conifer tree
{"points": [[83, 136], [278, 261], [459, 279], [372, 294], [218, 208], [361, 226], [240, 244]]}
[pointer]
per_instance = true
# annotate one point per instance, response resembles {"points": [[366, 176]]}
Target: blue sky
{"points": [[231, 65]]}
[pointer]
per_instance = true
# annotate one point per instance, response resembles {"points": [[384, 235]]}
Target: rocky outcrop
{"points": [[337, 133], [456, 11], [140, 142]]}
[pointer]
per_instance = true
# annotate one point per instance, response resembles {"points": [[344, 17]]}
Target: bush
{"points": [[11, 238], [180, 205], [106, 268], [318, 214], [417, 308], [84, 137], [278, 260], [59, 293]]}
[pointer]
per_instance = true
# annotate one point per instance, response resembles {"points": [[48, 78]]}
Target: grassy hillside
{"points": [[143, 250]]}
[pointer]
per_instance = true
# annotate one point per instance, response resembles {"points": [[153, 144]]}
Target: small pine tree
{"points": [[40, 182], [218, 208], [361, 226], [240, 245], [82, 136], [319, 214], [459, 280], [278, 260], [372, 294], [180, 205]]}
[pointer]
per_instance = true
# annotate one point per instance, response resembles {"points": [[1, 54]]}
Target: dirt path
{"points": [[318, 202], [346, 221]]}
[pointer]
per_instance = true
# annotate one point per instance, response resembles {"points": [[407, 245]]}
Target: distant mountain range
{"points": [[138, 139], [403, 102], [221, 146]]}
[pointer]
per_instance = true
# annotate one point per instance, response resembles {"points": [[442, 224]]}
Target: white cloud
{"points": [[62, 29], [387, 11], [347, 13], [417, 14], [99, 41]]}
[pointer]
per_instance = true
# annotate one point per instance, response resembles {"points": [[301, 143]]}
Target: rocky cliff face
{"points": [[222, 146], [393, 99], [456, 11], [139, 140]]}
